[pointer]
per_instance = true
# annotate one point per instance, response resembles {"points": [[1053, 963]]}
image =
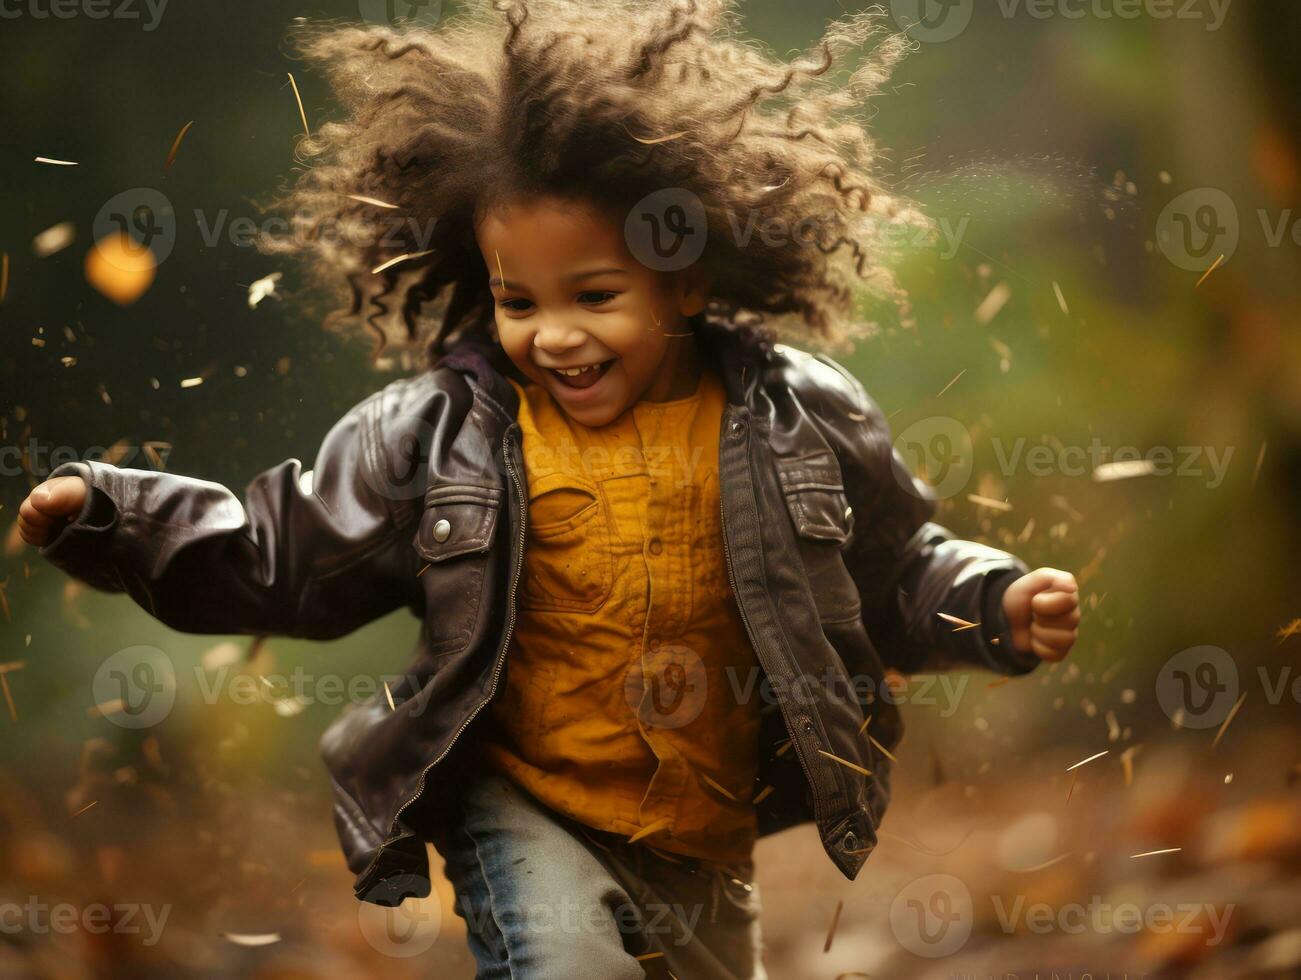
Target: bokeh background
{"points": [[1116, 188]]}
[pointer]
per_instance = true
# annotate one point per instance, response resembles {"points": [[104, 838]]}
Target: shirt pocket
{"points": [[568, 564], [814, 491]]}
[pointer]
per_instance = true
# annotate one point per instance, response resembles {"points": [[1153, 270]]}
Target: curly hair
{"points": [[607, 101]]}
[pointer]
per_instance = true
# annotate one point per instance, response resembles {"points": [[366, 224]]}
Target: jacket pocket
{"points": [[455, 538], [814, 491], [457, 520], [568, 565]]}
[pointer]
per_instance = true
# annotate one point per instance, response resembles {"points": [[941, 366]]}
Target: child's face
{"points": [[575, 296]]}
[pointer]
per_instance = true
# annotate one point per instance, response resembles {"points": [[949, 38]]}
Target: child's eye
{"points": [[596, 297], [527, 304]]}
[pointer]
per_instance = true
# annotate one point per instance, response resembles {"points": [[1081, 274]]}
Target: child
{"points": [[661, 561]]}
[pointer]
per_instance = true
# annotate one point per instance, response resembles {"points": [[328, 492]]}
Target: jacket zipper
{"points": [[501, 649], [819, 803]]}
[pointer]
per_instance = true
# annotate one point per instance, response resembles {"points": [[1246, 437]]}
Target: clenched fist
{"points": [[1043, 611], [53, 502]]}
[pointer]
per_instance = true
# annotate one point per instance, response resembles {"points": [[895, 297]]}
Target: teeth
{"points": [[571, 372]]}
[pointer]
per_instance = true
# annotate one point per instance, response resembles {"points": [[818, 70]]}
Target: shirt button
{"points": [[656, 546]]}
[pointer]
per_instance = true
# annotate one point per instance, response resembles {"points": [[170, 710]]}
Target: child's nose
{"points": [[557, 338]]}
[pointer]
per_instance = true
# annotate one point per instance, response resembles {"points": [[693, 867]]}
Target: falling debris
{"points": [[976, 498], [1004, 354], [1255, 474], [1042, 867], [222, 655], [831, 930], [845, 762], [56, 163], [120, 268], [1124, 470], [289, 707], [1061, 298], [401, 258], [260, 290], [176, 145], [251, 939], [1291, 629], [992, 304], [649, 829], [371, 200], [883, 750], [1168, 850], [961, 623], [720, 788], [54, 239], [1233, 712], [1088, 760], [1215, 265], [941, 391], [299, 99], [4, 680], [157, 453]]}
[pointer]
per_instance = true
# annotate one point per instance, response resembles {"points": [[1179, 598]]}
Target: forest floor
{"points": [[1026, 870]]}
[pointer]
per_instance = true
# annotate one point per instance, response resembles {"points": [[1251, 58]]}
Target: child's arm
{"points": [[311, 555], [909, 569]]}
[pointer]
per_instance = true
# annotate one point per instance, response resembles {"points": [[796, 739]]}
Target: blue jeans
{"points": [[542, 898]]}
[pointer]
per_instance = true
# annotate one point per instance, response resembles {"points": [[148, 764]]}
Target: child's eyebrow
{"points": [[596, 272], [576, 277]]}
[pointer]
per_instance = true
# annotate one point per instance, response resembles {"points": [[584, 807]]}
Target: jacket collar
{"points": [[736, 354]]}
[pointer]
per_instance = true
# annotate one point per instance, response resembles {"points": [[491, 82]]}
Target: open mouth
{"points": [[582, 377]]}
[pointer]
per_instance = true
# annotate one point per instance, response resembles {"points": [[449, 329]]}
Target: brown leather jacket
{"points": [[418, 499]]}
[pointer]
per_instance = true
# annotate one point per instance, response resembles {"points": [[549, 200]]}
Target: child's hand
{"points": [[1043, 610], [49, 504]]}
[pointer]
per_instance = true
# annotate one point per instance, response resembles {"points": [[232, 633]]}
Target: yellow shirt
{"points": [[629, 699]]}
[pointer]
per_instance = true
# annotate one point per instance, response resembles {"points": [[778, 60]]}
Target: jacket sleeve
{"points": [[909, 568], [311, 555]]}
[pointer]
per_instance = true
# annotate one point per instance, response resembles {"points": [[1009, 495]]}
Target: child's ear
{"points": [[693, 291]]}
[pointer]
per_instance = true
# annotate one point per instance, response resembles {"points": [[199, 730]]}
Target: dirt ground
{"points": [[991, 863]]}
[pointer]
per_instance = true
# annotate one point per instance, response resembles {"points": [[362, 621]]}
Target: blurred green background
{"points": [[1054, 145]]}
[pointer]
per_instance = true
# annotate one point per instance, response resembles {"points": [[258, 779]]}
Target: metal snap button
{"points": [[850, 842], [737, 427], [442, 530]]}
